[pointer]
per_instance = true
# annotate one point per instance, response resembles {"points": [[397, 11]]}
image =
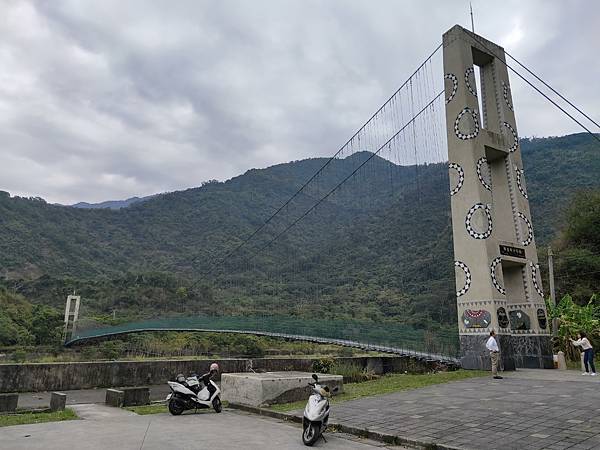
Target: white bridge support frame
{"points": [[497, 274], [71, 316]]}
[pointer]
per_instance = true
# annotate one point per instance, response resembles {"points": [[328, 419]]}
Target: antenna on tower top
{"points": [[472, 23]]}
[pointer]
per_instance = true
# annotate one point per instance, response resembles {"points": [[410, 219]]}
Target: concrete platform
{"points": [[268, 388]]}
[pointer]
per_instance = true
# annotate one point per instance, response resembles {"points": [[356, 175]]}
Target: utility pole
{"points": [[551, 276]]}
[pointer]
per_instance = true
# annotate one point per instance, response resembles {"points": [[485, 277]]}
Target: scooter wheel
{"points": [[217, 405], [310, 434], [176, 407]]}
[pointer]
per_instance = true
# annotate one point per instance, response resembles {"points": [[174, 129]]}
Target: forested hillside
{"points": [[379, 248]]}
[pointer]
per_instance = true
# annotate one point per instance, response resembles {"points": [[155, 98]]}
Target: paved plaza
{"points": [[528, 409], [103, 427]]}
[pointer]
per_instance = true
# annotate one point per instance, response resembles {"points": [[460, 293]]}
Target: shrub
{"points": [[19, 355], [574, 319], [111, 349], [352, 372], [347, 351], [323, 365]]}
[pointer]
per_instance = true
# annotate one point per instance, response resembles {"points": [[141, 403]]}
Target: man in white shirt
{"points": [[492, 346]]}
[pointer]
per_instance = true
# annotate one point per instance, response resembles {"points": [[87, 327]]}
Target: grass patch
{"points": [[7, 420], [387, 384], [148, 409]]}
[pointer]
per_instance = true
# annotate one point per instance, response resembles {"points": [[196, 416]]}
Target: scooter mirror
{"points": [[315, 377]]}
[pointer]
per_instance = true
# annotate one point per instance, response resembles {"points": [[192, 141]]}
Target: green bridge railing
{"points": [[381, 334]]}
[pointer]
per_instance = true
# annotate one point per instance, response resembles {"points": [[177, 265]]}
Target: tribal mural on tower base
{"points": [[476, 318]]}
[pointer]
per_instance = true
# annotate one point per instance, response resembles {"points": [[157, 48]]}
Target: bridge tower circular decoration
{"points": [[461, 177], [467, 272], [474, 126], [483, 173], [470, 81], [515, 137], [535, 276], [520, 173], [495, 281], [451, 77], [476, 234], [529, 237]]}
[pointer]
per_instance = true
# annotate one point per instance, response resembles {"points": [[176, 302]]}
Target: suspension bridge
{"points": [[422, 194]]}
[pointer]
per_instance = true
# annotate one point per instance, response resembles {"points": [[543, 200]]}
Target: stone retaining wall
{"points": [[37, 377]]}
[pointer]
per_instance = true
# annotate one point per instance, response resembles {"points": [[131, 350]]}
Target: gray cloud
{"points": [[105, 100]]}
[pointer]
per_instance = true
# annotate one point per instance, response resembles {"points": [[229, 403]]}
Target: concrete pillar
{"points": [[58, 401], [136, 396], [8, 402], [114, 397], [497, 275]]}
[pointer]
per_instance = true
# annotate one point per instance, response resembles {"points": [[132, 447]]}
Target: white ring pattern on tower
{"points": [[534, 278], [467, 272], [470, 71], [480, 163], [451, 76], [520, 173], [495, 282], [515, 144], [461, 177], [460, 134], [529, 238], [505, 95], [472, 232]]}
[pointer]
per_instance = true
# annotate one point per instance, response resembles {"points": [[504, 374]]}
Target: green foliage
{"points": [[111, 349], [46, 324], [23, 324], [323, 365], [573, 319], [18, 355], [377, 252], [352, 372], [578, 248]]}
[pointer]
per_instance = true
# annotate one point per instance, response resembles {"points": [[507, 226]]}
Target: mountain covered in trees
{"points": [[378, 248]]}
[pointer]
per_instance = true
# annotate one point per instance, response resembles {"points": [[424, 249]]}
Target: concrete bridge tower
{"points": [[497, 274]]}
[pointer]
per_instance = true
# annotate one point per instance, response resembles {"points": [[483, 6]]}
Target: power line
{"points": [[552, 89]]}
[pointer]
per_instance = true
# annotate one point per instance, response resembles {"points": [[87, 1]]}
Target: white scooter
{"points": [[316, 413], [186, 394]]}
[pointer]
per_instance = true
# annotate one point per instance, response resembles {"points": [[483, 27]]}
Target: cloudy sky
{"points": [[109, 99]]}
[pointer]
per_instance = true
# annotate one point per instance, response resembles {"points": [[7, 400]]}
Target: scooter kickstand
{"points": [[323, 436]]}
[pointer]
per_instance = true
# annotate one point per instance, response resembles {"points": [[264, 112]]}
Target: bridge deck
{"points": [[315, 339]]}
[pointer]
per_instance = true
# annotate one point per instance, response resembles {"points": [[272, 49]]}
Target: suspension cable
{"points": [[332, 158], [491, 52], [552, 89], [350, 175]]}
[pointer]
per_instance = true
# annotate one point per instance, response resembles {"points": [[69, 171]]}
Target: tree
{"points": [[578, 261], [46, 325], [574, 319]]}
